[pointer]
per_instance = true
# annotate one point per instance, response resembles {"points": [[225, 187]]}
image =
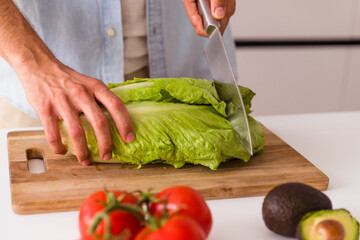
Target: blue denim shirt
{"points": [[76, 32]]}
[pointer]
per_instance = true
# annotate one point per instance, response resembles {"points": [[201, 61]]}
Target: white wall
{"points": [[299, 79]]}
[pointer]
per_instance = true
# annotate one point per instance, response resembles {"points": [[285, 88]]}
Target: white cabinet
{"points": [[295, 80], [299, 79], [289, 18], [350, 99], [356, 25]]}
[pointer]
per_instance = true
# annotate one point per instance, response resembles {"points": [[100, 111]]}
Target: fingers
{"points": [[195, 19], [51, 129], [118, 113], [218, 8], [223, 24], [76, 132], [101, 127], [223, 10]]}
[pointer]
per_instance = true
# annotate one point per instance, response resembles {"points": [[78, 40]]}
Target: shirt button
{"points": [[111, 32]]}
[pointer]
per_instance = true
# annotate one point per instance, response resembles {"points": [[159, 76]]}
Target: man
{"points": [[61, 49]]}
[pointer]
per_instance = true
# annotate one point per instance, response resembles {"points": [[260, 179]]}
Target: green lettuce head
{"points": [[176, 121]]}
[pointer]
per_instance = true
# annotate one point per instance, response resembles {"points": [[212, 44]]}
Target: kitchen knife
{"points": [[224, 78]]}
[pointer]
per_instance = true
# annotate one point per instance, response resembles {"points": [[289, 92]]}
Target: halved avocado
{"points": [[335, 224]]}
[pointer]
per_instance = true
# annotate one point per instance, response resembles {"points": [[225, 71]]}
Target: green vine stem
{"points": [[141, 210], [113, 204]]}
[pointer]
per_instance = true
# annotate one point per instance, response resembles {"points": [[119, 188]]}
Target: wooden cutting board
{"points": [[65, 184]]}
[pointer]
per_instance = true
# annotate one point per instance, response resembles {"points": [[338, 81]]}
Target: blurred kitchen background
{"points": [[299, 56]]}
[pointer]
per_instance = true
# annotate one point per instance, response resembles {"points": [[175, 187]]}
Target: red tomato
{"points": [[177, 227], [122, 222], [184, 200]]}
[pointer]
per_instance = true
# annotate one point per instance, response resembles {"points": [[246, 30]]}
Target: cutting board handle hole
{"points": [[35, 160]]}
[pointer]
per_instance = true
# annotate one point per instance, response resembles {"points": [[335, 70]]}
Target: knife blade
{"points": [[224, 78]]}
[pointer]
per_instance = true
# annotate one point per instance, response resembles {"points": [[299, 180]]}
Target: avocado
{"points": [[335, 224], [286, 204]]}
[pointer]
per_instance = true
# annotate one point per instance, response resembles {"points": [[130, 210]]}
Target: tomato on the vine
{"points": [[176, 227], [185, 201], [111, 223]]}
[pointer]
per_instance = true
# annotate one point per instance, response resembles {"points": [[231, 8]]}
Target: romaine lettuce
{"points": [[176, 121]]}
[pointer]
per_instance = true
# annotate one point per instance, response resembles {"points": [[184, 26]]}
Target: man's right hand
{"points": [[57, 92], [221, 10]]}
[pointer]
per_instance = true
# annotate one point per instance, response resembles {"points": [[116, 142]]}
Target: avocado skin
{"points": [[286, 204], [299, 235]]}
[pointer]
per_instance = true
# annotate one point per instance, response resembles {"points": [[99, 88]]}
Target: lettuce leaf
{"points": [[176, 121], [185, 90]]}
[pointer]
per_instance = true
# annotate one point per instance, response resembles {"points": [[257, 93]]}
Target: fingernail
{"points": [[219, 12], [86, 162], [107, 156], [130, 137]]}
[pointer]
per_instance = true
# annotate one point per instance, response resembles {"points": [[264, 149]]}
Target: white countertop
{"points": [[330, 141]]}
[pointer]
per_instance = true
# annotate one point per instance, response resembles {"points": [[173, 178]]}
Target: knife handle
{"points": [[210, 23]]}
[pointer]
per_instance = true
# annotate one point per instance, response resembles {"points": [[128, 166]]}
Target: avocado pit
{"points": [[330, 230]]}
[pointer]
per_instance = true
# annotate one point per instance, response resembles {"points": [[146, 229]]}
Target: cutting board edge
{"points": [[26, 208]]}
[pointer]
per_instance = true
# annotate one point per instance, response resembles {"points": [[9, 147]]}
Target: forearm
{"points": [[20, 46], [57, 92]]}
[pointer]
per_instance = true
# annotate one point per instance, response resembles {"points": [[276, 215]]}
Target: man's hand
{"points": [[57, 92], [220, 9]]}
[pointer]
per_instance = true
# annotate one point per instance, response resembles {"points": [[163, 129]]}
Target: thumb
{"points": [[218, 8]]}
